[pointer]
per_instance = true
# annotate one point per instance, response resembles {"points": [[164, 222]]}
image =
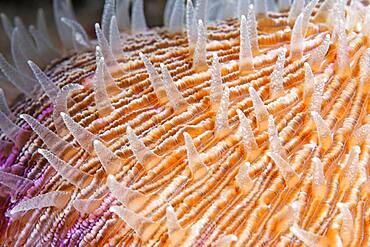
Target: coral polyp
{"points": [[235, 124]]}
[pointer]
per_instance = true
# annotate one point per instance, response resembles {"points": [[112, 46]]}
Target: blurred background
{"points": [[88, 12]]}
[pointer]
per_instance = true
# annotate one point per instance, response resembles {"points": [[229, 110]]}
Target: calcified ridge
{"points": [[249, 131]]}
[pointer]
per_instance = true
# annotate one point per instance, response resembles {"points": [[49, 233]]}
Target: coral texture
{"points": [[233, 125]]}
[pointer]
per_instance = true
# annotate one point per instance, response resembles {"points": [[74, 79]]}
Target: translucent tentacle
{"points": [[15, 183], [72, 174], [245, 57], [247, 135], [242, 179], [63, 8], [196, 165], [324, 133], [79, 34], [12, 131], [261, 8], [61, 106], [56, 144], [108, 13], [21, 82], [200, 53], [102, 101], [7, 25], [142, 226], [114, 38], [109, 160], [191, 25], [260, 109], [177, 17], [275, 142], [297, 40], [123, 15], [290, 176], [176, 100], [84, 137], [216, 84], [295, 10], [277, 79], [144, 155], [154, 78], [105, 48], [317, 55], [252, 29], [51, 199], [222, 119], [138, 22], [4, 106], [132, 199], [49, 87]]}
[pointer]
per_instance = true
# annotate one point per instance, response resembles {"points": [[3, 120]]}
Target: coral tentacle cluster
{"points": [[233, 125]]}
